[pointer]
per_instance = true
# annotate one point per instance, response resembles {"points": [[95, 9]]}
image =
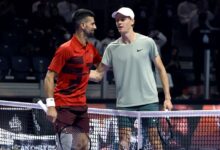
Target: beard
{"points": [[89, 33]]}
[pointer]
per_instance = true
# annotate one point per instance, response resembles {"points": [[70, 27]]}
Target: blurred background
{"points": [[185, 31]]}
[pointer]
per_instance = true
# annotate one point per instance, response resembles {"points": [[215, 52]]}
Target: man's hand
{"points": [[167, 104], [52, 114]]}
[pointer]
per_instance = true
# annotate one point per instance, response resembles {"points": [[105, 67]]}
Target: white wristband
{"points": [[50, 102]]}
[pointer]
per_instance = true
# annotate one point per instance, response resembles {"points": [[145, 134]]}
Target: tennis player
{"points": [[70, 69], [131, 57]]}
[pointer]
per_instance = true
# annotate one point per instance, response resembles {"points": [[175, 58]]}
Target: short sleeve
{"points": [[97, 58], [58, 60], [107, 56], [153, 49]]}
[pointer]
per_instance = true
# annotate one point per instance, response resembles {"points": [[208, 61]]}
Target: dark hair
{"points": [[79, 15]]}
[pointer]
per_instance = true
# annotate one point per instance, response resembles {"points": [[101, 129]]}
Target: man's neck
{"points": [[128, 37], [82, 38]]}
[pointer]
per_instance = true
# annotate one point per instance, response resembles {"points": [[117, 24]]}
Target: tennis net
{"points": [[25, 126]]}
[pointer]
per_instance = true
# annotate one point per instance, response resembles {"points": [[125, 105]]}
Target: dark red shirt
{"points": [[72, 63]]}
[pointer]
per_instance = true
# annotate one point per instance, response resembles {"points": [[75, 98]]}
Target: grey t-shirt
{"points": [[132, 67]]}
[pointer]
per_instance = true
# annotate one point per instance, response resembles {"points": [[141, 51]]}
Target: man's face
{"points": [[124, 23], [89, 26]]}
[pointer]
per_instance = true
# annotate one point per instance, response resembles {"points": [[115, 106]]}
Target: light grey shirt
{"points": [[132, 67]]}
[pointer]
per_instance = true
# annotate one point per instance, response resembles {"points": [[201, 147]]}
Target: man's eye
{"points": [[120, 20]]}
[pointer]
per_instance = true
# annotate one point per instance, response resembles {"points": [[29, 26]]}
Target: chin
{"points": [[121, 31], [91, 35]]}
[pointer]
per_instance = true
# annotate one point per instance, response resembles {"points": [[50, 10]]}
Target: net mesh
{"points": [[25, 126]]}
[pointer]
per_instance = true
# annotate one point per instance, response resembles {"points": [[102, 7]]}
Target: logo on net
{"points": [[15, 123]]}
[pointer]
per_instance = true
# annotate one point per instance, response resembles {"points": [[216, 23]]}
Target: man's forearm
{"points": [[165, 83], [49, 87], [97, 75]]}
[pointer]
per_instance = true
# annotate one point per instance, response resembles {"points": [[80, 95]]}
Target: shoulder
{"points": [[64, 48], [145, 39], [65, 45], [114, 44]]}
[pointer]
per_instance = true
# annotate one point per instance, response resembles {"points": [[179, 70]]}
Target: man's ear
{"points": [[133, 22], [82, 25]]}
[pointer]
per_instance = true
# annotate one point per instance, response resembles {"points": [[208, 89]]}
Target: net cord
{"points": [[113, 112]]}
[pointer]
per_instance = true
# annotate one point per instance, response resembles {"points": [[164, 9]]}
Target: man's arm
{"points": [[165, 82], [49, 92], [97, 75]]}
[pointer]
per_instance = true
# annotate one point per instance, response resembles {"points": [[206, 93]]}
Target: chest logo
{"points": [[138, 50]]}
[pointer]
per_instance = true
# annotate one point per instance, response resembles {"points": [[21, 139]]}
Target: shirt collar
{"points": [[75, 41]]}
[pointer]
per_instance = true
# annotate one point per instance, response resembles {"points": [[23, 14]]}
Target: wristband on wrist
{"points": [[50, 102]]}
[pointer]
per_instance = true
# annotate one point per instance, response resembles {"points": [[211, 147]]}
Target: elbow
{"points": [[47, 78]]}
